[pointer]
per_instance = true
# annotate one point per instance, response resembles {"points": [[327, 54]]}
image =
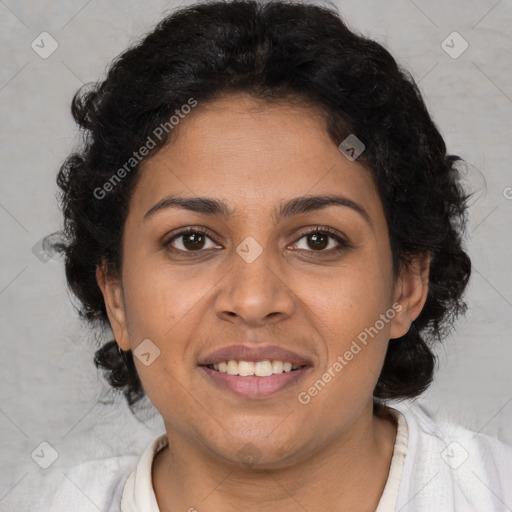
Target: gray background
{"points": [[51, 391]]}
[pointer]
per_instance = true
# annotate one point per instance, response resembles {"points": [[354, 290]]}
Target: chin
{"points": [[265, 452]]}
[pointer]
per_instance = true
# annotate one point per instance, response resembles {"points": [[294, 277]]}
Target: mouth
{"points": [[254, 372]]}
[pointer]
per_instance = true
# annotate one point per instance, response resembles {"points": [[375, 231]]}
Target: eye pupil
{"points": [[196, 240], [316, 237]]}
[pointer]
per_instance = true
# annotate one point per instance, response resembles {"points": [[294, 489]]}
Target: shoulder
{"points": [[449, 467], [85, 471], [86, 486]]}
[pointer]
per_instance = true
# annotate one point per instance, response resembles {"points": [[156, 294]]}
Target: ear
{"points": [[411, 293], [114, 303]]}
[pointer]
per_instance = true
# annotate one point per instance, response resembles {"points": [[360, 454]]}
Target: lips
{"points": [[252, 386]]}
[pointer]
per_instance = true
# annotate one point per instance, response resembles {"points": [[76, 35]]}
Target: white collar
{"points": [[139, 495]]}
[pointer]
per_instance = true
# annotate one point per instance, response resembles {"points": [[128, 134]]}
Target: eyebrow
{"points": [[295, 206]]}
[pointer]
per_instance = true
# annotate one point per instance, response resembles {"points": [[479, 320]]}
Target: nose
{"points": [[255, 293]]}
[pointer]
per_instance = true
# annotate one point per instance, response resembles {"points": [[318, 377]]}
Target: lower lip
{"points": [[255, 387]]}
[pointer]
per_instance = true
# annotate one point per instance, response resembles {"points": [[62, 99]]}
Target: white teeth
{"points": [[232, 368], [277, 366], [263, 368], [258, 368], [245, 368]]}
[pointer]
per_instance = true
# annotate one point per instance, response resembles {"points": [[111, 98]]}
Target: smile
{"points": [[256, 379]]}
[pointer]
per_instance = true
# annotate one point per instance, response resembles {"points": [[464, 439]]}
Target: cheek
{"points": [[159, 299], [349, 301], [354, 332], [162, 306]]}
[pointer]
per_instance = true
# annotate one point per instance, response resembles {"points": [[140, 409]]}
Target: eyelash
{"points": [[343, 243]]}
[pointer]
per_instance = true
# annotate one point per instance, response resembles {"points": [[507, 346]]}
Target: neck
{"points": [[349, 473]]}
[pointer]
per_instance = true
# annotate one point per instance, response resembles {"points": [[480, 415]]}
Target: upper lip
{"points": [[251, 353]]}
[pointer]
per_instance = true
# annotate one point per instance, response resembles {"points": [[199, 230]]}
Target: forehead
{"points": [[252, 155]]}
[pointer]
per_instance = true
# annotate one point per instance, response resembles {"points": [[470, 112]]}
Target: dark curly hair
{"points": [[275, 51]]}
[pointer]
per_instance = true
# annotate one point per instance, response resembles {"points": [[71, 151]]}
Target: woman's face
{"points": [[253, 279]]}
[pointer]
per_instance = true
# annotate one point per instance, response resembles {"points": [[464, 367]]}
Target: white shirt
{"points": [[433, 469], [138, 494], [437, 466]]}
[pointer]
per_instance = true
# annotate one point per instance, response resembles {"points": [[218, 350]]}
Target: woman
{"points": [[267, 218]]}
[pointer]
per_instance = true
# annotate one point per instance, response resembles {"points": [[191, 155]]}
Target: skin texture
{"points": [[332, 453]]}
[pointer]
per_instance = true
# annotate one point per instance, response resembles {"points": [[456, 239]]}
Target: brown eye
{"points": [[323, 240], [190, 240], [318, 240]]}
